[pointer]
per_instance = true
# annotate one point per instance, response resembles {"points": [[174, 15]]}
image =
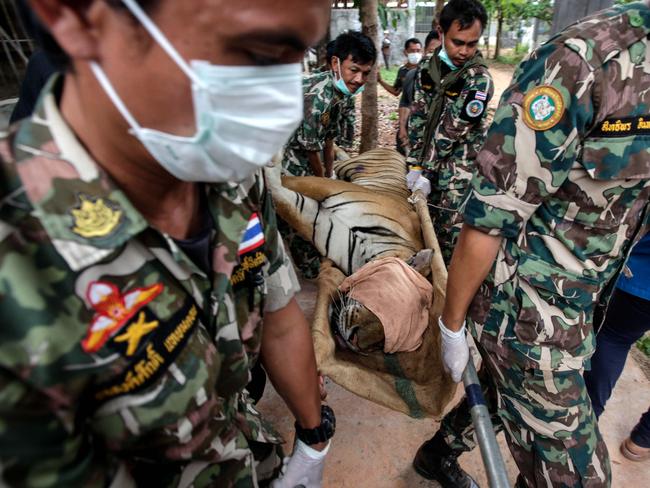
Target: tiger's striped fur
{"points": [[352, 222]]}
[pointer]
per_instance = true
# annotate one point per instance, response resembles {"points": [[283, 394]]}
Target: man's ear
{"points": [[335, 67], [69, 26]]}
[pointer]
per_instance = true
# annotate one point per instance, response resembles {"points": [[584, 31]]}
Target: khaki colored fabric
{"points": [[398, 295]]}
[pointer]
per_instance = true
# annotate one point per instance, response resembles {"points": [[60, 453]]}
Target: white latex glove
{"points": [[412, 176], [455, 351], [423, 184], [304, 469]]}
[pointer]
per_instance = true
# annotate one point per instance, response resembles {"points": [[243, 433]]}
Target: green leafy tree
{"points": [[512, 12]]}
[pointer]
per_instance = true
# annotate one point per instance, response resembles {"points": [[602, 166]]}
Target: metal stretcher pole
{"points": [[487, 440]]}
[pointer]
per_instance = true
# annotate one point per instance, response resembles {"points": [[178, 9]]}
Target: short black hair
{"points": [[433, 35], [44, 39], [357, 45], [412, 40], [466, 12], [329, 51]]}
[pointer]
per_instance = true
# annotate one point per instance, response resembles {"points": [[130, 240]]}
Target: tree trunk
{"points": [[321, 49], [566, 12], [486, 36], [369, 131], [439, 6], [497, 47]]}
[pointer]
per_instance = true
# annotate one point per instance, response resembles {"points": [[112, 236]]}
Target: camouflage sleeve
{"points": [[464, 115], [43, 444], [417, 121], [348, 119], [281, 280], [533, 141], [310, 135]]}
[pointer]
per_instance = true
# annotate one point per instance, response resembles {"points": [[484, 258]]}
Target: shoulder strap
{"points": [[441, 86]]}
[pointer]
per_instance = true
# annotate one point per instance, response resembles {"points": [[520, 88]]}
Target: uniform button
{"points": [[636, 20]]}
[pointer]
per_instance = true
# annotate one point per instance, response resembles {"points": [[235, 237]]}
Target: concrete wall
{"points": [[567, 12], [344, 19], [348, 19]]}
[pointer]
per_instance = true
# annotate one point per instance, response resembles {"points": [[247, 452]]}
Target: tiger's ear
{"points": [[421, 261]]}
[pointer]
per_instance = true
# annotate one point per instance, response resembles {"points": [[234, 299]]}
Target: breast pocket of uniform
{"points": [[555, 304], [609, 173]]}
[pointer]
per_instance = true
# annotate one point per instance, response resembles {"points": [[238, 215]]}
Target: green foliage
{"points": [[389, 75], [623, 2], [512, 59], [393, 116], [521, 49], [390, 17], [515, 10], [644, 345]]}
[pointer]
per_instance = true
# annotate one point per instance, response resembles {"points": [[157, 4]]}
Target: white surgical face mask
{"points": [[414, 58], [444, 56], [244, 115]]}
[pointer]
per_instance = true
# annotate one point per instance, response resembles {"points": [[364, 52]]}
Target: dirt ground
{"points": [[374, 446]]}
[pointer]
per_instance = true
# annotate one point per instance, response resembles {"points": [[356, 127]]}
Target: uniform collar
{"points": [[85, 215]]}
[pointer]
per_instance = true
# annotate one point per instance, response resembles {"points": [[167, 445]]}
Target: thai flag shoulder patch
{"points": [[253, 236]]}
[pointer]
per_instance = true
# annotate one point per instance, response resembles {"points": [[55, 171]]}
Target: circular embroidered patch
{"points": [[543, 107], [475, 108]]}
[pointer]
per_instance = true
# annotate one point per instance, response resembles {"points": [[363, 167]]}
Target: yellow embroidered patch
{"points": [[543, 107], [93, 217], [135, 332]]}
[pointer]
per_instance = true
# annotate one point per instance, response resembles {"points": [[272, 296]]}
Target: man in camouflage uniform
{"points": [[131, 319], [448, 121], [344, 135], [560, 195], [328, 108]]}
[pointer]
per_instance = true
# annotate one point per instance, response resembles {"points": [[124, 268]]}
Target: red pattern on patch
{"points": [[113, 310]]}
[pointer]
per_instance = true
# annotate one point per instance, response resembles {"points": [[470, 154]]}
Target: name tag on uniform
{"points": [[151, 345], [623, 127]]}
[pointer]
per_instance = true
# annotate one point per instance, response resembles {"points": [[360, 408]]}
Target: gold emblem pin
{"points": [[94, 217]]}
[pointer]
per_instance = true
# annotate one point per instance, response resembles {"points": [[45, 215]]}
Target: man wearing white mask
{"points": [[448, 120], [413, 53], [141, 271], [326, 95]]}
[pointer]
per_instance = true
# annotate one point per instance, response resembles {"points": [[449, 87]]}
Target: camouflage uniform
{"points": [[345, 114], [449, 160], [564, 178], [325, 107], [347, 121], [121, 360]]}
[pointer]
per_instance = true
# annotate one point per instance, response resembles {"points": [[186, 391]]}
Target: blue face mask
{"points": [[343, 88], [444, 57]]}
